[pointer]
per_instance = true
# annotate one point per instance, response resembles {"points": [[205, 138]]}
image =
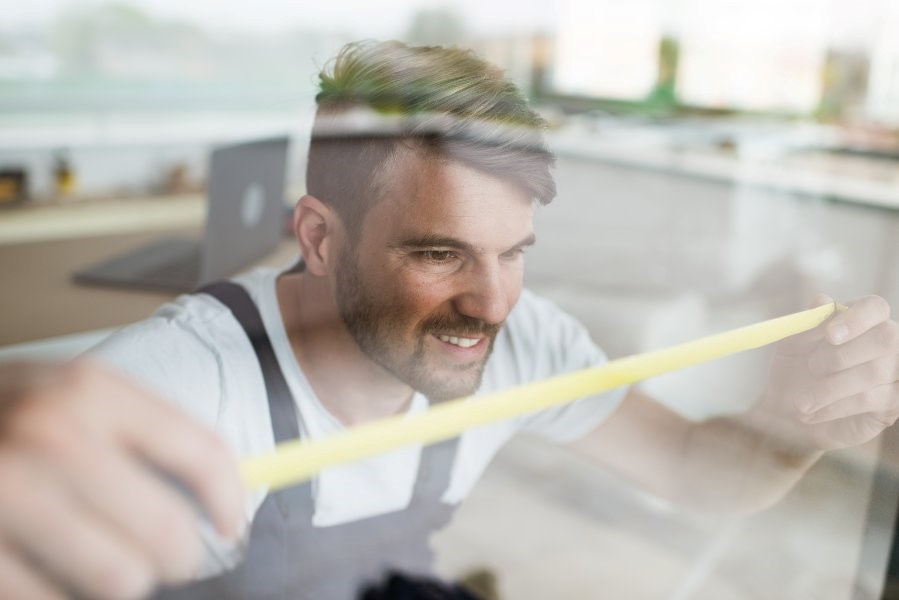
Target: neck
{"points": [[349, 385]]}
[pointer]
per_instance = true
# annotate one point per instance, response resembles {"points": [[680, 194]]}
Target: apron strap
{"points": [[295, 501], [282, 409]]}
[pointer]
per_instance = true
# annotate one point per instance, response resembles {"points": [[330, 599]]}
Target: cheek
{"points": [[420, 296], [513, 283]]}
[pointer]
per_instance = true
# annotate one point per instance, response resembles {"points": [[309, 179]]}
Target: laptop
{"points": [[244, 221]]}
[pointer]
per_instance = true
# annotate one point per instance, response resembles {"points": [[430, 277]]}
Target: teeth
{"points": [[459, 341]]}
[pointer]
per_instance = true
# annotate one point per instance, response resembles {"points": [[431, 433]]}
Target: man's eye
{"points": [[513, 254], [437, 256]]}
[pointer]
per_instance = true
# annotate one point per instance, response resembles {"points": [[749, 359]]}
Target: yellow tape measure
{"points": [[297, 461]]}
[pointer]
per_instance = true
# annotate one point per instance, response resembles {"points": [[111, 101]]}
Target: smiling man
{"points": [[424, 171], [426, 293]]}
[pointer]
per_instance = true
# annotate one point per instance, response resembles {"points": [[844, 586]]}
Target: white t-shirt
{"points": [[194, 352]]}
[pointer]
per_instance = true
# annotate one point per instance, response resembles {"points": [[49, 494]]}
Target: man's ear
{"points": [[315, 224]]}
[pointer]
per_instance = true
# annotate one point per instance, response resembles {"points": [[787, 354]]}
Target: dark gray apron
{"points": [[289, 558]]}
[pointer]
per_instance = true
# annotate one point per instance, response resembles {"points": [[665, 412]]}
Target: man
{"points": [[412, 237], [410, 292]]}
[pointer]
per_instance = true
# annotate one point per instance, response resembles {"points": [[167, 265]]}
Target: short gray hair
{"points": [[445, 102]]}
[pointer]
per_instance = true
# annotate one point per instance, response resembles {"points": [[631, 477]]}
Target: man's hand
{"points": [[837, 385], [84, 507]]}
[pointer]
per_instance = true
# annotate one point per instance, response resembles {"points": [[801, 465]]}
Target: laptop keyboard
{"points": [[168, 264], [185, 268]]}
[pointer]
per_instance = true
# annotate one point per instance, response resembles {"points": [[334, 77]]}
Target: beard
{"points": [[377, 325]]}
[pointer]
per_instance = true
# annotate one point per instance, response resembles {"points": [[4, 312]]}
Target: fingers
{"points": [[855, 366], [826, 390], [164, 436], [863, 314], [881, 339], [194, 455], [879, 400], [68, 543], [86, 493], [156, 519], [842, 378], [20, 580]]}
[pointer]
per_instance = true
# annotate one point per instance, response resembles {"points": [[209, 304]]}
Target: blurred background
{"points": [[147, 81], [720, 162]]}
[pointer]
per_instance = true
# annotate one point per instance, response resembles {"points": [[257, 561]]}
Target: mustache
{"points": [[461, 326]]}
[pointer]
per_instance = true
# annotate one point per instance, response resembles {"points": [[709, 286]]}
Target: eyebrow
{"points": [[431, 240]]}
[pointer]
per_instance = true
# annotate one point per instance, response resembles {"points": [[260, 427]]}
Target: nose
{"points": [[485, 294]]}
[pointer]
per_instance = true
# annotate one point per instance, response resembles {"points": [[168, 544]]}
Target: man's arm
{"points": [[824, 391], [721, 465], [87, 504]]}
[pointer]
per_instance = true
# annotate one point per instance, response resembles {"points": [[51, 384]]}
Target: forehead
{"points": [[427, 195]]}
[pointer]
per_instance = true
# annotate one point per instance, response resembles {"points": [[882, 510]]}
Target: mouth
{"points": [[461, 342], [462, 348]]}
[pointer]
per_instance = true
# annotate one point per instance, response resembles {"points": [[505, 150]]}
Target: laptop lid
{"points": [[245, 208], [244, 219]]}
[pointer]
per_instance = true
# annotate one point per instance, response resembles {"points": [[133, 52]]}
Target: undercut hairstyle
{"points": [[446, 103]]}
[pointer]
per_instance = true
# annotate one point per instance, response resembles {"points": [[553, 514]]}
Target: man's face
{"points": [[436, 271]]}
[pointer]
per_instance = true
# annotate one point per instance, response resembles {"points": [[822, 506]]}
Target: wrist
{"points": [[782, 436]]}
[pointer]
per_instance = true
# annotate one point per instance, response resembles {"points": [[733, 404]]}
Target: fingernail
{"points": [[838, 333]]}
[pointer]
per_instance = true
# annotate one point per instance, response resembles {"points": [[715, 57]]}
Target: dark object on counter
{"points": [[13, 185]]}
